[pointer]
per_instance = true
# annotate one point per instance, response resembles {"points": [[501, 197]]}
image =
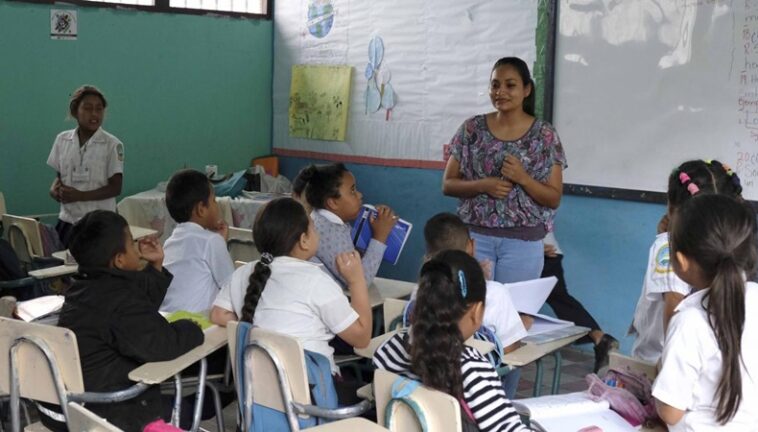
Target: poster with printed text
{"points": [[63, 24]]}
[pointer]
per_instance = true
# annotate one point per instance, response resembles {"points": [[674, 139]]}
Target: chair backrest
{"points": [[2, 204], [26, 238], [393, 309], [241, 246], [441, 411], [35, 378], [81, 419]]}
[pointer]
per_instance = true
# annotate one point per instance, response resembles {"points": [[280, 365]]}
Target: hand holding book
{"points": [[382, 223]]}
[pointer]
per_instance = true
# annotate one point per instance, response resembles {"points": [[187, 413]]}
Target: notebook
{"points": [[199, 319], [571, 412], [361, 234], [39, 307]]}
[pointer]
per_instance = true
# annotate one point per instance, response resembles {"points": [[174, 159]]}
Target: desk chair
{"points": [[349, 425], [23, 233], [42, 364], [241, 246], [278, 379], [439, 411], [83, 420], [393, 312], [2, 204]]}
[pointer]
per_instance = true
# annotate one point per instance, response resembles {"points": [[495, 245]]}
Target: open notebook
{"points": [[529, 297], [570, 413]]}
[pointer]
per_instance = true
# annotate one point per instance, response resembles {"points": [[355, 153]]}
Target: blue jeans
{"points": [[512, 260]]}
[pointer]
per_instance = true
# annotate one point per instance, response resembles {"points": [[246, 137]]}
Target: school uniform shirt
{"points": [[201, 265], [87, 167], [482, 389], [648, 316], [335, 239], [500, 315], [299, 300], [691, 367], [114, 315]]}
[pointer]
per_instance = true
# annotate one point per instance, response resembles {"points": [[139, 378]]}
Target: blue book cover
{"points": [[361, 234]]}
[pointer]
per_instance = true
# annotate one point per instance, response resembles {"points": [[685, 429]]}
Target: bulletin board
{"points": [[419, 69]]}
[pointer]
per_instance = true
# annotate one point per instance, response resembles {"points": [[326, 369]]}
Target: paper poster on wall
{"points": [[319, 102], [323, 32], [320, 17], [63, 24], [379, 90]]}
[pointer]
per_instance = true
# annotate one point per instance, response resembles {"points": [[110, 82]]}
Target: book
{"points": [[361, 234], [529, 296], [39, 307], [571, 412], [558, 331]]}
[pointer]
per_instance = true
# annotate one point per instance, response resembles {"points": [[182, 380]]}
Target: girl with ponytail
{"points": [[662, 290], [286, 293], [709, 374], [449, 309]]}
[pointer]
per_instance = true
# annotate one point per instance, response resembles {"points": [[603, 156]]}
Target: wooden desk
{"points": [[534, 353], [53, 272]]}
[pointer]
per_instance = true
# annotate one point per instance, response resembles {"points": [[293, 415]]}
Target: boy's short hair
{"points": [[98, 237], [445, 231], [185, 190]]}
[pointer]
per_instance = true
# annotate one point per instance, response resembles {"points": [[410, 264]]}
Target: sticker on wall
{"points": [[63, 24], [320, 17], [379, 91]]}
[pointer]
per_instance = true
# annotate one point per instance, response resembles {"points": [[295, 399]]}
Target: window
{"points": [[248, 8]]}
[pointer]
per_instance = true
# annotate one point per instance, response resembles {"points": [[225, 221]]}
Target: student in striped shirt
{"points": [[449, 309]]}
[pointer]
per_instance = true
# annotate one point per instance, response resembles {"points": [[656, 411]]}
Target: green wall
{"points": [[183, 90]]}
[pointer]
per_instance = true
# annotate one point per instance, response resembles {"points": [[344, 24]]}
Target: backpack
{"points": [[628, 393], [323, 393]]}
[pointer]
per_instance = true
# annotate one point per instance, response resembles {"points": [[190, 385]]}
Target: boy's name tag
{"points": [[80, 175]]}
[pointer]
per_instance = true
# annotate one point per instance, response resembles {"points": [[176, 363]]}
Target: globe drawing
{"points": [[320, 17]]}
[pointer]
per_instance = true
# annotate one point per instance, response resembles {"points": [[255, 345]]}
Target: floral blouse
{"points": [[481, 155]]}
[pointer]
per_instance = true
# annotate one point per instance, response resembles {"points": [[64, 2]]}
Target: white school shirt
{"points": [[201, 265], [648, 316], [691, 367], [300, 299], [86, 168], [500, 315]]}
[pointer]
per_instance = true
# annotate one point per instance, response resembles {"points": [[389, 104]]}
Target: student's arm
{"points": [[335, 239], [668, 414], [112, 189], [154, 284], [219, 261], [547, 194], [55, 188], [454, 185], [671, 300], [358, 334], [221, 316]]}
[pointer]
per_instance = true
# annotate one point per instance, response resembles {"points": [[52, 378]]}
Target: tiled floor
{"points": [[575, 364]]}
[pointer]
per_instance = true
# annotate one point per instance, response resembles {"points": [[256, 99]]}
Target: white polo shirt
{"points": [[299, 299], [500, 315], [648, 316], [691, 367], [86, 168], [201, 265]]}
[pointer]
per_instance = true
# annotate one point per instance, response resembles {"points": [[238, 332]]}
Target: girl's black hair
{"points": [[277, 229], [719, 234], [526, 77], [441, 302], [323, 182], [79, 95], [708, 177]]}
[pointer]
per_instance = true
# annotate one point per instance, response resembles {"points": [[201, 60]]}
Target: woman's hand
{"points": [[514, 170], [496, 187]]}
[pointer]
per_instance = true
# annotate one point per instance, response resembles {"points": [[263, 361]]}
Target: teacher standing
{"points": [[506, 167]]}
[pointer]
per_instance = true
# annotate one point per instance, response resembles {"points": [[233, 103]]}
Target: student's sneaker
{"points": [[607, 344]]}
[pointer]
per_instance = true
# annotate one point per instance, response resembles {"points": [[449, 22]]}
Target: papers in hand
{"points": [[39, 307], [362, 234], [571, 412]]}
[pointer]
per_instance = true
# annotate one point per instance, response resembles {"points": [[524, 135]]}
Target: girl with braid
{"points": [[662, 290], [286, 293], [449, 309], [709, 373]]}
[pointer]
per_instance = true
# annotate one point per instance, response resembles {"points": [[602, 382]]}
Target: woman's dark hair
{"points": [[698, 177], [276, 231], [184, 191], [98, 237], [719, 234], [323, 182], [526, 77], [441, 302], [79, 95]]}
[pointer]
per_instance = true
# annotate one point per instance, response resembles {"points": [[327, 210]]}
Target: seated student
{"points": [[449, 308], [709, 368], [196, 252], [286, 293], [331, 192], [112, 307], [568, 308], [446, 231]]}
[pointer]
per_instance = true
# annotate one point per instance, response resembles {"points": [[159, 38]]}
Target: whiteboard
{"points": [[643, 85], [438, 54]]}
